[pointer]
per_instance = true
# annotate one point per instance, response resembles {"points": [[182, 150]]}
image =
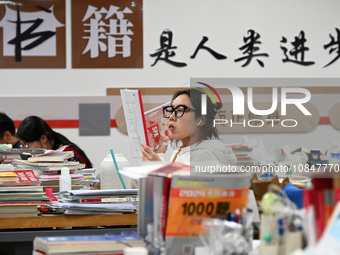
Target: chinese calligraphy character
{"points": [[237, 118], [222, 114], [29, 33], [201, 46], [107, 33], [336, 43], [166, 50], [256, 119], [250, 48], [274, 117], [298, 51]]}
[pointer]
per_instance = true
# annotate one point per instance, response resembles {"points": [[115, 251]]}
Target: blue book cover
{"points": [[131, 236]]}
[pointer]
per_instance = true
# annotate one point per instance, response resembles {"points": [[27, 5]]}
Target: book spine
{"points": [[165, 202], [91, 200], [143, 118], [109, 200]]}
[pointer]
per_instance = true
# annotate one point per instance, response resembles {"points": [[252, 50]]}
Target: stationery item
{"points": [[135, 120], [49, 193]]}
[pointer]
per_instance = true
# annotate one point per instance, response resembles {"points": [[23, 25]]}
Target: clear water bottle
{"points": [[65, 180], [334, 153]]}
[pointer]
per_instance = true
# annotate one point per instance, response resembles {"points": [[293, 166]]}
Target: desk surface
{"points": [[68, 221]]}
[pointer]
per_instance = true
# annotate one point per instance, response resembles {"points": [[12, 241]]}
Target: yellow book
{"points": [[8, 176]]}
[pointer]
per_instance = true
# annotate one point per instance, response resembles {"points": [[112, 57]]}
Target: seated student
{"points": [[34, 132], [7, 131], [198, 138]]}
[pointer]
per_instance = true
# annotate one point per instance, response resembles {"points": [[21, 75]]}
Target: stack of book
{"points": [[79, 202], [20, 194], [241, 152], [176, 203], [48, 167], [108, 244], [8, 156]]}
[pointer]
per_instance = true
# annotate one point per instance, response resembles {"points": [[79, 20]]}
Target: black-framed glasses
{"points": [[26, 145], [179, 110]]}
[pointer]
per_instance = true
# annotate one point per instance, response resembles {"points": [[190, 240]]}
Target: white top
{"points": [[207, 152]]}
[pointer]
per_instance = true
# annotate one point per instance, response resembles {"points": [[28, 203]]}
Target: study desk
{"points": [[17, 234]]}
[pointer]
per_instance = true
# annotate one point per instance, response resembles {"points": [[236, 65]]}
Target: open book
{"points": [[148, 127], [58, 155]]}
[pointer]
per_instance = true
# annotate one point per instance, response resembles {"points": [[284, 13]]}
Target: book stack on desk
{"points": [[108, 244], [48, 167], [241, 152], [49, 173], [80, 202], [8, 156], [22, 200]]}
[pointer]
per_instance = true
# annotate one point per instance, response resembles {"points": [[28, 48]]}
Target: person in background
{"points": [[7, 131], [34, 132], [194, 134]]}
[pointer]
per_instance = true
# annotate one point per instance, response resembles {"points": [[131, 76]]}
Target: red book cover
{"points": [[320, 184], [336, 195], [165, 202], [143, 117], [156, 126]]}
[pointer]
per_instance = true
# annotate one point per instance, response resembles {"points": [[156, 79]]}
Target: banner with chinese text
{"points": [[32, 34], [107, 34]]}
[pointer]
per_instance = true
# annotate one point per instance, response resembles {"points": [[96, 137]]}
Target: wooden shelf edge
{"points": [[69, 221]]}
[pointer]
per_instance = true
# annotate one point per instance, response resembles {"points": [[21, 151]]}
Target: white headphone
{"points": [[199, 123]]}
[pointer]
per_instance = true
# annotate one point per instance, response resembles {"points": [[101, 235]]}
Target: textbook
{"points": [[7, 156], [148, 127], [135, 120], [156, 126], [109, 243], [58, 155], [8, 176], [193, 199], [24, 177], [48, 166]]}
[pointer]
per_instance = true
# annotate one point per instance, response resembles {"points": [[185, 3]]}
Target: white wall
{"points": [[225, 22]]}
